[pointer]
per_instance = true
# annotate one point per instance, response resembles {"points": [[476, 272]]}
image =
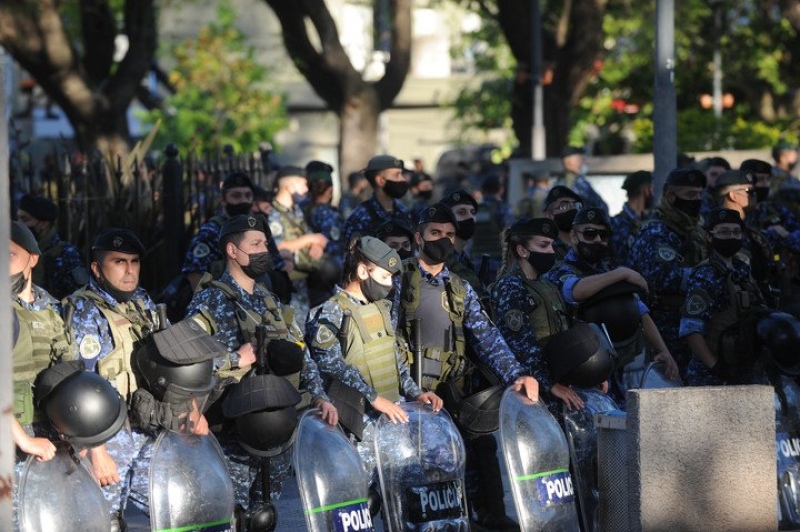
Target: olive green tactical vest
{"points": [[370, 345], [294, 228], [550, 315]]}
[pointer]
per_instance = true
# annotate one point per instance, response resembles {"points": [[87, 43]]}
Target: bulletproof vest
{"points": [[765, 264], [550, 315], [370, 344], [487, 235], [277, 319], [441, 311], [693, 238], [294, 227], [730, 334], [41, 341], [44, 270], [129, 323]]}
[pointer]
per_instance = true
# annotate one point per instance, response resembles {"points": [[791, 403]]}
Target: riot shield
{"points": [[190, 486], [582, 440], [421, 469], [334, 498], [537, 458], [787, 436], [61, 494]]}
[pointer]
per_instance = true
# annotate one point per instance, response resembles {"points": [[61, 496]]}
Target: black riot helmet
{"points": [[264, 409], [83, 407], [779, 332], [284, 357], [580, 356], [616, 306]]}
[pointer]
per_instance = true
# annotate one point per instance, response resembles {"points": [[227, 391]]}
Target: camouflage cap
{"points": [[460, 197], [118, 239], [592, 215], [39, 207], [23, 237], [722, 216], [686, 177], [558, 192], [379, 253], [534, 226], [243, 222]]}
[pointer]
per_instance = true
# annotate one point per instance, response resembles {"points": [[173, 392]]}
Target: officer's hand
{"points": [[603, 387], [316, 252], [103, 466], [288, 260], [530, 385], [392, 411], [568, 395], [430, 398], [329, 412], [42, 448], [632, 276], [247, 355], [201, 427], [319, 239], [671, 367]]}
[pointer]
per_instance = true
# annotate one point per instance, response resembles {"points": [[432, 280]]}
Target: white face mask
{"points": [[584, 169]]}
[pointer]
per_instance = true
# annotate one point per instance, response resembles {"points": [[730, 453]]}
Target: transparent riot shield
{"points": [[537, 458], [421, 469], [787, 436], [190, 487], [582, 440], [61, 494], [334, 498]]}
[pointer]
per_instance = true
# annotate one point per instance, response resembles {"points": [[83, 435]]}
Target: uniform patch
{"points": [[335, 233], [514, 319], [666, 254], [392, 262], [276, 227], [89, 347], [696, 305], [201, 250], [325, 336]]}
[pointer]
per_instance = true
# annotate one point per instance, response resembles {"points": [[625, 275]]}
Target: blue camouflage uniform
{"points": [[61, 269], [624, 228], [581, 186], [105, 332], [370, 214], [326, 219], [219, 309]]}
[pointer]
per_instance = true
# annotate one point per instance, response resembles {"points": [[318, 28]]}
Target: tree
{"points": [[81, 75], [221, 94], [357, 103]]}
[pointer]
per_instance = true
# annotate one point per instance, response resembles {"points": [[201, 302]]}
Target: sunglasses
{"points": [[592, 234]]}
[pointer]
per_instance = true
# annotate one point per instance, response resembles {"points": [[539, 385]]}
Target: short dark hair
{"points": [[352, 259], [233, 238]]}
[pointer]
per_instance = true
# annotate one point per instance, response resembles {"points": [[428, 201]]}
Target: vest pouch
{"points": [[351, 405], [23, 403]]}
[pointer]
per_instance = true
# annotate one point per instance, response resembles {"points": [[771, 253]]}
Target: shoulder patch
{"points": [[89, 347], [667, 254], [276, 227], [201, 250], [335, 233], [325, 336], [696, 304], [514, 319]]}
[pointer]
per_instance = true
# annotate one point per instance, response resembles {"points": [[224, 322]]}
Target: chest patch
{"points": [[696, 305], [514, 319], [666, 254], [276, 227], [89, 347], [201, 250]]}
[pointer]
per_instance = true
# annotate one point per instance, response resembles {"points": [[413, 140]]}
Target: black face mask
{"points": [[727, 247], [18, 282], [762, 193], [690, 207], [396, 189], [123, 296], [405, 253], [592, 252], [466, 228], [564, 219], [541, 262], [375, 291], [425, 194], [648, 202], [437, 251], [260, 263], [238, 208]]}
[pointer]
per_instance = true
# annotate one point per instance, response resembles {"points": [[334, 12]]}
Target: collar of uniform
{"points": [[94, 285], [631, 214], [41, 299], [443, 275], [258, 289], [397, 205], [573, 258], [339, 290]]}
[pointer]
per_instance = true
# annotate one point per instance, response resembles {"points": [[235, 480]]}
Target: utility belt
{"points": [[439, 366], [672, 302]]}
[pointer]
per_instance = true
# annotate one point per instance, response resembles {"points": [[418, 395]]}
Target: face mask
{"points": [[375, 291], [425, 194], [466, 228], [437, 251], [762, 193], [238, 208], [405, 254], [564, 220], [123, 296], [727, 247], [260, 263], [592, 253], [690, 207], [583, 169], [792, 166], [299, 198], [18, 282], [648, 202], [541, 262], [396, 189]]}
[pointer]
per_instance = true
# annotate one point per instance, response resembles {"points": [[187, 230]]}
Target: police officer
{"points": [[106, 319], [385, 174], [721, 297], [626, 225], [587, 270], [398, 236], [785, 156], [668, 246], [322, 216], [421, 193], [561, 206], [361, 349], [465, 209], [230, 309], [448, 314], [61, 269], [573, 159], [528, 308], [357, 192], [714, 167]]}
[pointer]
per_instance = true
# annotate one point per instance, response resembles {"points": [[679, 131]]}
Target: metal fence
{"points": [[163, 197]]}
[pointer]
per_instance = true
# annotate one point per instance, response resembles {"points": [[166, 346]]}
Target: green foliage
{"points": [[222, 93]]}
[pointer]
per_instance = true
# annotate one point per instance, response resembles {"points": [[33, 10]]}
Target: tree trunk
{"points": [[358, 130]]}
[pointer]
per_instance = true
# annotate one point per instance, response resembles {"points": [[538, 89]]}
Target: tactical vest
{"points": [[41, 341], [730, 333], [438, 364], [486, 238], [127, 329], [550, 315], [294, 228], [693, 241], [370, 345], [277, 320]]}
